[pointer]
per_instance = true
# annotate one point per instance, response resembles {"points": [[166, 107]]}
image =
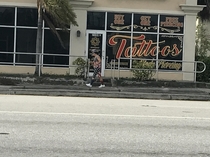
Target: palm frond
{"points": [[53, 29], [60, 13]]}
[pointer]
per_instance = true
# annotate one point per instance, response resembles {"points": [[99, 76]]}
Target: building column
{"points": [[78, 39], [78, 33], [189, 40], [189, 47]]}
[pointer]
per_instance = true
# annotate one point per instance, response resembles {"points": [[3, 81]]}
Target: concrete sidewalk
{"points": [[201, 94]]}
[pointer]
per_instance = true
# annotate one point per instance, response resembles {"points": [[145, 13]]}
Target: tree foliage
{"points": [[202, 46], [205, 13], [60, 12], [202, 42], [57, 14]]}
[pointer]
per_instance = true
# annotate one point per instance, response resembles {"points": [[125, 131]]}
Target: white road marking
{"points": [[114, 101], [104, 115]]}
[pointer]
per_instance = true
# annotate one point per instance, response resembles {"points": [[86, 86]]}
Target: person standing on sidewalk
{"points": [[97, 70]]}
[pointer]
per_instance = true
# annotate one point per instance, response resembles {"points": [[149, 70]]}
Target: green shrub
{"points": [[138, 70], [81, 66]]}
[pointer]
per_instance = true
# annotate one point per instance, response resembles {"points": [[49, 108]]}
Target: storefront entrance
{"points": [[96, 42]]}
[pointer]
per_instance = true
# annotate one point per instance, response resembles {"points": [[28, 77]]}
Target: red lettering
{"points": [[142, 47], [147, 48], [163, 51], [140, 51], [126, 54], [175, 50], [111, 41], [121, 48], [134, 51], [152, 51], [142, 37]]}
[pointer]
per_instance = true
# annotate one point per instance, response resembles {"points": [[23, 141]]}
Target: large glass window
{"points": [[58, 48], [27, 17], [144, 46], [171, 47], [170, 44], [53, 60], [6, 39], [171, 52], [119, 47], [53, 46], [119, 21], [145, 23], [5, 57], [23, 33], [96, 20], [171, 24], [28, 59], [26, 40], [7, 16], [150, 37]]}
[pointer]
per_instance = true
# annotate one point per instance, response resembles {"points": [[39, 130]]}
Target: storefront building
{"points": [[120, 30]]}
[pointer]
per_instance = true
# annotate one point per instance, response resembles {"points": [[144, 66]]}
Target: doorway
{"points": [[96, 42]]}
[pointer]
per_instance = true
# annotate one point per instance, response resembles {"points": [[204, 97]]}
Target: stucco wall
{"points": [[77, 44], [30, 70], [153, 5], [172, 5]]}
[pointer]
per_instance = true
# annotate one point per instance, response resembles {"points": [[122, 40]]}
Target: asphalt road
{"points": [[38, 126]]}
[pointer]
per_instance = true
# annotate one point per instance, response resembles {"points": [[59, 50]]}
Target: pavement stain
{"points": [[4, 133], [187, 111], [148, 106]]}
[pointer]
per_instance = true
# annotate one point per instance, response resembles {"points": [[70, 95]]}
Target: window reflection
{"points": [[4, 57], [7, 16], [7, 39], [53, 46], [53, 60], [27, 17], [25, 58], [96, 20], [26, 40]]}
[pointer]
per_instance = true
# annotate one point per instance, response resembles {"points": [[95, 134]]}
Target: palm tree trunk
{"points": [[39, 40]]}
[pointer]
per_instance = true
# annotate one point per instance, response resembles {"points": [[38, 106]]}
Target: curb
{"points": [[107, 94]]}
